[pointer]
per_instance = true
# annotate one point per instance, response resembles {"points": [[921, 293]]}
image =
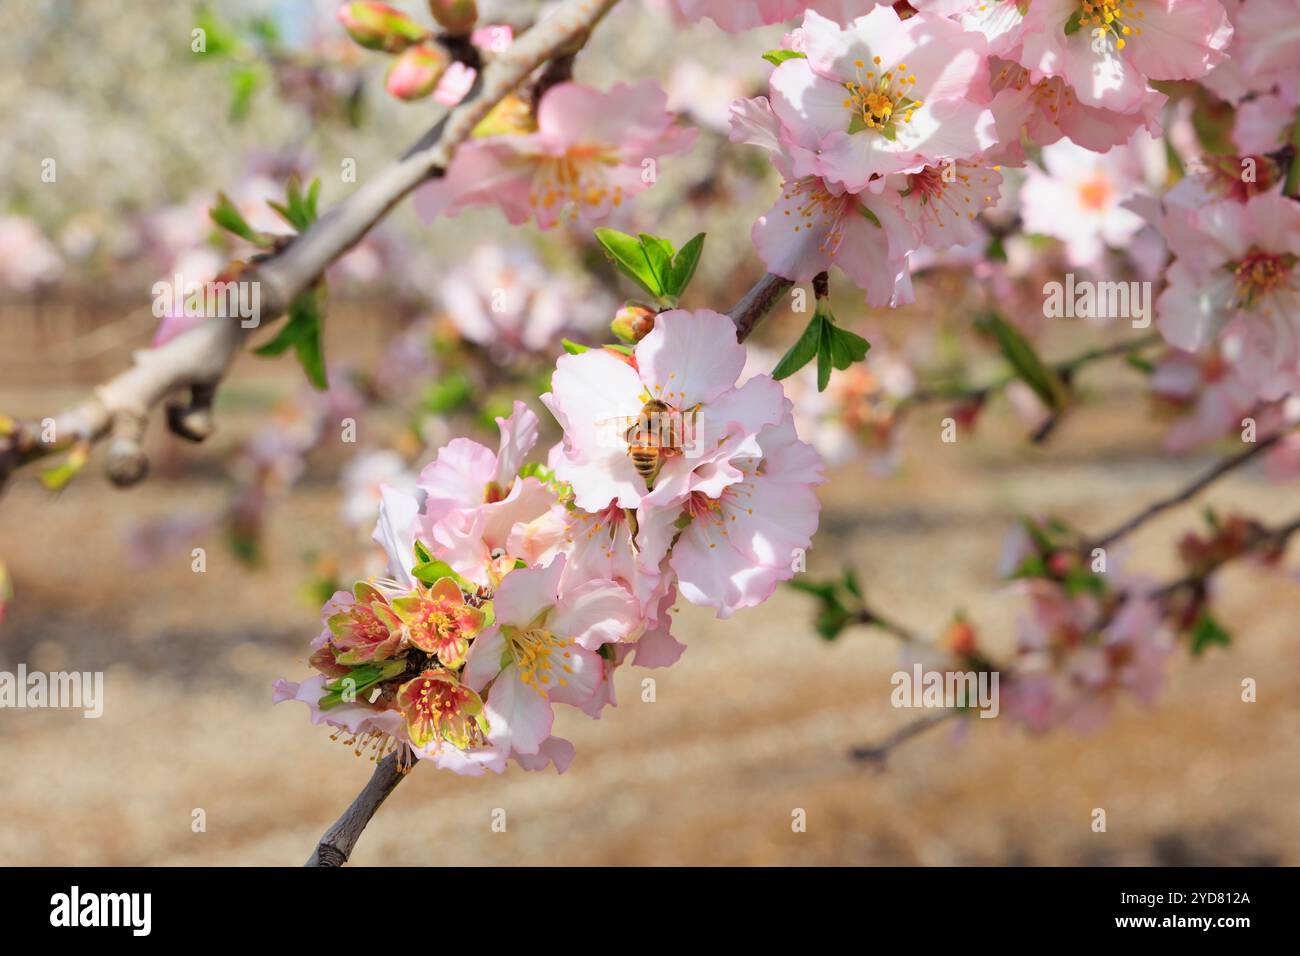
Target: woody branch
{"points": [[199, 359]]}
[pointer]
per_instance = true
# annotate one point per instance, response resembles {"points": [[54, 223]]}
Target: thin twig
{"points": [[1189, 491], [879, 752], [1065, 367], [757, 302], [336, 845]]}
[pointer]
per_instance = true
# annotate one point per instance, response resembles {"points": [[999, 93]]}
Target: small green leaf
{"points": [[57, 477], [1206, 632], [454, 390], [1072, 25], [244, 82], [777, 57], [823, 358], [803, 350], [846, 347], [229, 218], [857, 124], [629, 256], [684, 263], [870, 216], [422, 552], [1045, 382], [574, 348], [302, 332], [658, 254]]}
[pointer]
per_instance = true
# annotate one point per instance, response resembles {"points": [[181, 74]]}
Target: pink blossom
{"points": [[690, 361], [590, 152], [1120, 44], [503, 298], [1046, 110], [543, 650], [882, 96], [1079, 196], [474, 498], [750, 533], [27, 258], [1240, 280], [737, 15], [816, 224]]}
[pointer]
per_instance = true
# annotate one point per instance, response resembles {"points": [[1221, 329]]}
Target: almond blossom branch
{"points": [[200, 358], [757, 302], [1064, 368], [877, 753], [336, 845], [1186, 493]]}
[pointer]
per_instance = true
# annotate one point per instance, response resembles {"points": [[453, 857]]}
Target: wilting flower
{"points": [[365, 628], [437, 706], [439, 621], [588, 153]]}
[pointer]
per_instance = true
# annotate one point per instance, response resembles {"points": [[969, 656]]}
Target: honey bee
{"points": [[660, 432]]}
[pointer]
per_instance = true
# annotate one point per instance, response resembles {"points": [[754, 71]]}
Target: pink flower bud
{"points": [[633, 322], [377, 26], [416, 72], [457, 17]]}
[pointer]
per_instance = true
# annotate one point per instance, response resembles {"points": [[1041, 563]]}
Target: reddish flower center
{"points": [[1260, 273]]}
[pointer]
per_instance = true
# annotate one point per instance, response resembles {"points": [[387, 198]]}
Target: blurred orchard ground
{"points": [[758, 718]]}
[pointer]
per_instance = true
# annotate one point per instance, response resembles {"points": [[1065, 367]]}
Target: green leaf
{"points": [[870, 216], [823, 358], [658, 254], [1047, 385], [218, 38], [846, 347], [454, 390], [851, 582], [56, 478], [1072, 25], [422, 552], [629, 256], [684, 263], [229, 218], [244, 82], [1207, 631], [803, 350], [434, 570], [574, 348], [857, 124], [777, 57], [302, 332], [1138, 362], [361, 679]]}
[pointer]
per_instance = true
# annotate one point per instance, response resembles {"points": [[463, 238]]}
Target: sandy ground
{"points": [[752, 725]]}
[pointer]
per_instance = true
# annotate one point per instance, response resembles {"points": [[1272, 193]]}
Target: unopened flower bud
{"points": [[457, 17], [633, 322], [377, 26], [416, 73]]}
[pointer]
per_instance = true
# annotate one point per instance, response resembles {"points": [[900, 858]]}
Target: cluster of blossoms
{"points": [[892, 130], [515, 586]]}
